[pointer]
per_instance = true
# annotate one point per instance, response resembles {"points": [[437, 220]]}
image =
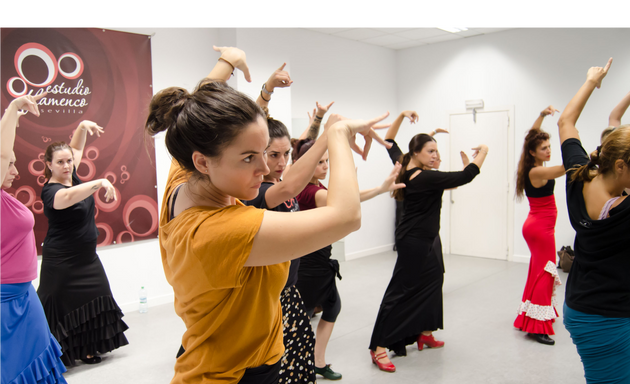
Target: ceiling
{"points": [[401, 38]]}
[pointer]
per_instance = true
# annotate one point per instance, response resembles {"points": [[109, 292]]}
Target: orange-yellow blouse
{"points": [[232, 313]]}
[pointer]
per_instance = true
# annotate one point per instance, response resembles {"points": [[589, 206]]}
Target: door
{"points": [[479, 210]]}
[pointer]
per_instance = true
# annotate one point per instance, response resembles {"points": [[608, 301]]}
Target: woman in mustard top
{"points": [[223, 259]]}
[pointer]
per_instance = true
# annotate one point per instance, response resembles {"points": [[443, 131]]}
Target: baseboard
{"points": [[152, 301], [520, 258], [369, 252]]}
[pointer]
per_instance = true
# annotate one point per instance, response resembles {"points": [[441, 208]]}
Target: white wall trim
{"points": [[369, 252]]}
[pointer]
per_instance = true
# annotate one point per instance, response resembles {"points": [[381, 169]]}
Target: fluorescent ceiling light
{"points": [[453, 29]]}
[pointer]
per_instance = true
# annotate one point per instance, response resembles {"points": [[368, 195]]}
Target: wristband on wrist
{"points": [[231, 65], [264, 89], [262, 97], [318, 118]]}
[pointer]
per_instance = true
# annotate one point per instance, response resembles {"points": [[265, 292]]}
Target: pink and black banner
{"points": [[89, 74]]}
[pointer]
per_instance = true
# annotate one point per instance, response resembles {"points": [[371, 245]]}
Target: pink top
{"points": [[17, 242]]}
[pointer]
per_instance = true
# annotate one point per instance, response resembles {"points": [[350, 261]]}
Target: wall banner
{"points": [[89, 74]]}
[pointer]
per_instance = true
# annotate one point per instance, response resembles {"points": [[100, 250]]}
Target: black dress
{"points": [[81, 311], [413, 300], [298, 362]]}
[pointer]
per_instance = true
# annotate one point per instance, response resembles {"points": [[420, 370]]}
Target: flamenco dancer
{"points": [[537, 311], [412, 305], [30, 353], [73, 288]]}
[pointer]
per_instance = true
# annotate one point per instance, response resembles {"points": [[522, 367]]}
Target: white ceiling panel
{"points": [[328, 31], [438, 39], [422, 33], [385, 40], [359, 33]]}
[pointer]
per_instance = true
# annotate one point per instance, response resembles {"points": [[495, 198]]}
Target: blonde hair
{"points": [[616, 146]]}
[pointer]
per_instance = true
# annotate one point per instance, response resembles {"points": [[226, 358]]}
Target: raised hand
{"points": [[365, 128], [279, 78], [321, 110], [411, 115], [389, 184], [441, 130], [236, 58], [597, 74], [481, 148], [550, 110], [91, 127], [110, 191], [28, 103], [332, 119], [465, 159]]}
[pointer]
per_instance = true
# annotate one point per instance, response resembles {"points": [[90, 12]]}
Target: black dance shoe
{"points": [[542, 338], [91, 360]]}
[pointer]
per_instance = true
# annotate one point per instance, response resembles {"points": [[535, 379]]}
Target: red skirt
{"points": [[537, 311]]}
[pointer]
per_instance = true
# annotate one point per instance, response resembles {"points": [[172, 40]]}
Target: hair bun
{"points": [[164, 109]]}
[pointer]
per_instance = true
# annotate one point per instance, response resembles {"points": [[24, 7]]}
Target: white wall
{"points": [[525, 68], [529, 69]]}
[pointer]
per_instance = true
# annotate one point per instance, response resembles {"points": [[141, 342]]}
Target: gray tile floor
{"points": [[480, 301]]}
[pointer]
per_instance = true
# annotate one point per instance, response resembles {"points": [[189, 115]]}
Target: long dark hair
{"points": [[206, 120], [300, 147], [533, 139], [415, 145]]}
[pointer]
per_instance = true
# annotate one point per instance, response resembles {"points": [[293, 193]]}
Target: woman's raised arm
{"points": [[79, 138], [303, 232], [570, 115], [9, 123]]}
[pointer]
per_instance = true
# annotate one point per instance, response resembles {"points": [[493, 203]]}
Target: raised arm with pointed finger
{"points": [[393, 129], [571, 113], [550, 110], [231, 58], [278, 79], [315, 122], [80, 136], [8, 126]]}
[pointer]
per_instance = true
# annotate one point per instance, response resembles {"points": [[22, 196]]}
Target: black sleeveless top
{"points": [[544, 191]]}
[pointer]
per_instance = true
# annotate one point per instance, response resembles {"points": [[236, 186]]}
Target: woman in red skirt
{"points": [[537, 311]]}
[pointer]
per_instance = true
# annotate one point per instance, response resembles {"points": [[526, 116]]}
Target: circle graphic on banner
{"points": [[107, 207], [109, 234], [141, 201], [29, 191], [78, 65], [37, 50], [119, 239], [11, 89], [38, 206]]}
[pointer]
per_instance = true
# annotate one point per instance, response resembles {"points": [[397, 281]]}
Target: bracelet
{"points": [[264, 89], [262, 97], [231, 65], [318, 118]]}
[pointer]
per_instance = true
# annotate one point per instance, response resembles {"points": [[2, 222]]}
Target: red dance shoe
{"points": [[429, 341], [387, 367]]}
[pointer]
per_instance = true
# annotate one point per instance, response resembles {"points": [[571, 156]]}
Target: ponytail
{"points": [[404, 160]]}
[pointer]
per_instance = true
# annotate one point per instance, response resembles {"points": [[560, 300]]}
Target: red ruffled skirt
{"points": [[537, 311]]}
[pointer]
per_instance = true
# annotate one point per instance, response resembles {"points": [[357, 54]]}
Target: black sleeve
{"points": [[445, 180], [573, 155], [394, 152], [48, 194], [259, 201]]}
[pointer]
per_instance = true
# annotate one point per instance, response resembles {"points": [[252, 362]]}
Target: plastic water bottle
{"points": [[144, 306]]}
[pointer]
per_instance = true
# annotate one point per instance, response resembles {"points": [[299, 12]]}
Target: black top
{"points": [[423, 197], [290, 205], [598, 282], [544, 191], [70, 226]]}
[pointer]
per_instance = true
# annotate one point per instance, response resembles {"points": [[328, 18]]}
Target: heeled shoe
{"points": [[429, 341], [91, 360], [387, 367], [542, 338]]}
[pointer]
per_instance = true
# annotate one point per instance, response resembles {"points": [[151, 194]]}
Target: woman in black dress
{"points": [[412, 305], [81, 311]]}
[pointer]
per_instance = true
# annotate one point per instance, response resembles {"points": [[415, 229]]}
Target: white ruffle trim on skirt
{"points": [[543, 312]]}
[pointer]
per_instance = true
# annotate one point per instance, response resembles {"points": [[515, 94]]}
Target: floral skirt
{"points": [[297, 363]]}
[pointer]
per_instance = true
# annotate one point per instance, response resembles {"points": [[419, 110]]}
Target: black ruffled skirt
{"points": [[81, 311]]}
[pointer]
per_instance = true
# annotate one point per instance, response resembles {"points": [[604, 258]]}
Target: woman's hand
{"points": [[441, 130], [465, 159], [321, 110], [389, 184], [550, 110], [412, 115], [236, 58], [597, 74], [278, 79], [110, 191], [365, 128], [481, 148], [28, 103], [91, 127]]}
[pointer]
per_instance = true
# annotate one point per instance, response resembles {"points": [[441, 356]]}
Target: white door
{"points": [[479, 210]]}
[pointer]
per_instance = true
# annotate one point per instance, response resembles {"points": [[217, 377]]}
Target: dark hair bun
{"points": [[164, 109]]}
